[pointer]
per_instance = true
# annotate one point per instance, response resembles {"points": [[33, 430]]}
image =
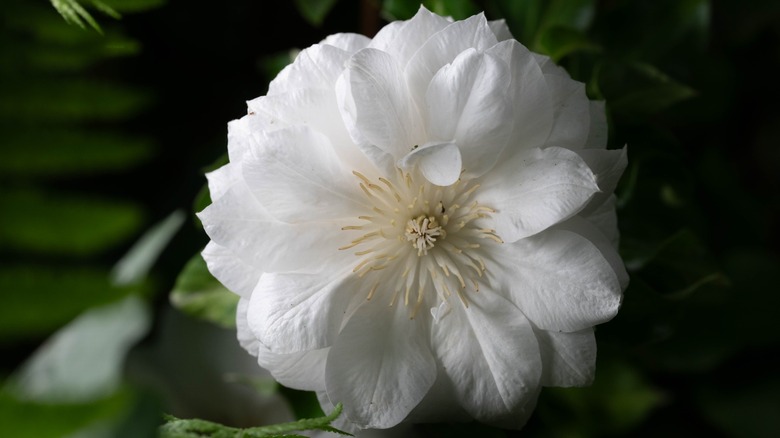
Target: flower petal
{"points": [[568, 359], [376, 105], [599, 132], [442, 47], [559, 280], [290, 313], [233, 272], [500, 30], [348, 42], [381, 365], [401, 39], [315, 67], [571, 112], [238, 223], [440, 163], [314, 108], [608, 165], [603, 241], [490, 352], [467, 102], [246, 338], [536, 189], [304, 370], [530, 96], [295, 173]]}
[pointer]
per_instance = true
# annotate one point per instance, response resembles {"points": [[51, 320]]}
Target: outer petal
{"points": [[530, 96], [304, 370], [571, 112], [535, 190], [500, 30], [220, 180], [608, 165], [603, 241], [377, 104], [381, 365], [467, 102], [440, 163], [295, 173], [401, 39], [237, 275], [442, 47], [348, 42], [568, 359], [490, 352], [559, 279], [599, 132], [290, 313], [237, 222], [315, 67], [245, 335]]}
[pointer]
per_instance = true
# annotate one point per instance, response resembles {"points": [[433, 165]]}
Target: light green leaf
{"points": [[199, 294], [558, 42], [74, 13], [64, 224], [83, 361], [135, 265], [315, 11], [50, 151], [134, 5]]}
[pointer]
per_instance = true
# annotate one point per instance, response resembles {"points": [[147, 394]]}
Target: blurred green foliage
{"points": [[688, 85]]}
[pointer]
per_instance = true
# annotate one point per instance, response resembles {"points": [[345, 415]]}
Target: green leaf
{"points": [[69, 100], [52, 151], [195, 428], [399, 9], [64, 224], [639, 89], [457, 9], [28, 419], [561, 41], [315, 11], [39, 299], [199, 294], [74, 13], [135, 265], [83, 361]]}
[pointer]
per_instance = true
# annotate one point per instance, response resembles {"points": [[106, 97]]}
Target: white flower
{"points": [[420, 225]]}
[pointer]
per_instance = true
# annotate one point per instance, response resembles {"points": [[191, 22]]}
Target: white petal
{"points": [[220, 180], [290, 313], [500, 30], [571, 112], [240, 137], [246, 338], [376, 105], [559, 279], [238, 223], [381, 365], [568, 359], [314, 108], [440, 163], [442, 47], [536, 189], [297, 177], [304, 370], [349, 42], [490, 352], [603, 241], [531, 99], [467, 102], [315, 67], [608, 165], [604, 218], [599, 133], [233, 272], [401, 39]]}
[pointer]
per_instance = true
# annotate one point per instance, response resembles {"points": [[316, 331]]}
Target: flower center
{"points": [[446, 228], [422, 232]]}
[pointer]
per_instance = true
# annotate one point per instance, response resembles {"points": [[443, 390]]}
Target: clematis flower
{"points": [[421, 225]]}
